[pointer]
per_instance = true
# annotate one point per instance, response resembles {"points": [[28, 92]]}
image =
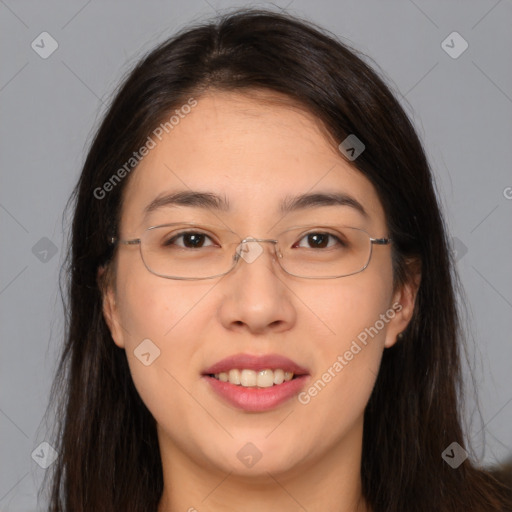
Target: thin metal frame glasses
{"points": [[350, 254]]}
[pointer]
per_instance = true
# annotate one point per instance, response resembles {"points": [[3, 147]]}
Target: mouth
{"points": [[256, 383]]}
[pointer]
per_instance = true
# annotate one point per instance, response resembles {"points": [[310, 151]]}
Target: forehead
{"points": [[249, 150]]}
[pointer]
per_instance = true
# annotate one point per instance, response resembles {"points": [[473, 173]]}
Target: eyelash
{"points": [[172, 240]]}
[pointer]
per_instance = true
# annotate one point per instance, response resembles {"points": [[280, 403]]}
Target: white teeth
{"points": [[265, 379], [234, 376], [278, 376], [250, 378]]}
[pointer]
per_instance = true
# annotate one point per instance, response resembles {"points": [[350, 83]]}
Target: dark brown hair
{"points": [[109, 458]]}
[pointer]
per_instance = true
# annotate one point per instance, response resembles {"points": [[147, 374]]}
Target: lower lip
{"points": [[257, 399]]}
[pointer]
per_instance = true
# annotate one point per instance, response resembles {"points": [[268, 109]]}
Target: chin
{"points": [[253, 458]]}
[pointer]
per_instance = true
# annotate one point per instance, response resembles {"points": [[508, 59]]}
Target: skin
{"points": [[254, 153]]}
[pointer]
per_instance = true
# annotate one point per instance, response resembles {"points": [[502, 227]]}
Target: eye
{"points": [[189, 240], [319, 240]]}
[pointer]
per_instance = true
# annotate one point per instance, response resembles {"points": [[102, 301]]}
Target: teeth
{"points": [[251, 379], [278, 376], [248, 378], [234, 376], [265, 379]]}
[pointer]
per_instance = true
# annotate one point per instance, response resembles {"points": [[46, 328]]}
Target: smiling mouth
{"points": [[256, 383], [255, 379]]}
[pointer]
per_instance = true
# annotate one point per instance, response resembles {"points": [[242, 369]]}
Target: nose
{"points": [[255, 296]]}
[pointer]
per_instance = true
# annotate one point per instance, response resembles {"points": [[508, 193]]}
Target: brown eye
{"points": [[318, 240], [190, 240]]}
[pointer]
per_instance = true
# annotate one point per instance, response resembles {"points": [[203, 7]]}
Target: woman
{"points": [[261, 298]]}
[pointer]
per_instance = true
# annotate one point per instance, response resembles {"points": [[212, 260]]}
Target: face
{"points": [[254, 155]]}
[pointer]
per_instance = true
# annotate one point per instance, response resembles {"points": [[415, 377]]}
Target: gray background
{"points": [[461, 107]]}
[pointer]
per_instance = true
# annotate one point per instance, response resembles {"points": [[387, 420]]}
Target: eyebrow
{"points": [[209, 200], [318, 199]]}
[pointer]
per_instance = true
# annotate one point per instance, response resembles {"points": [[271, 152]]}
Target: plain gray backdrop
{"points": [[460, 103]]}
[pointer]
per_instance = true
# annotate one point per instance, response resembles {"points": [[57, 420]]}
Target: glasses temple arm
{"points": [[114, 241], [380, 241]]}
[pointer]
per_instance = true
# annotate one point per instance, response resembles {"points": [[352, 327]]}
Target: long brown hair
{"points": [[109, 458]]}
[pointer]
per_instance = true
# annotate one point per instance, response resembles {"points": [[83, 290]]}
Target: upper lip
{"points": [[256, 363]]}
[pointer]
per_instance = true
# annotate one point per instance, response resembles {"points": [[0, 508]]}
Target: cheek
{"points": [[349, 350], [156, 316], [350, 306], [150, 306]]}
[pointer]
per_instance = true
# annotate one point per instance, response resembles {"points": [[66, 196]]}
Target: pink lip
{"points": [[256, 363], [256, 399]]}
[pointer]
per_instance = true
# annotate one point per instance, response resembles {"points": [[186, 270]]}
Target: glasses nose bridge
{"points": [[243, 244]]}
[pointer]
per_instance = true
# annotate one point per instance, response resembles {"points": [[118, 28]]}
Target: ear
{"points": [[404, 299], [109, 306]]}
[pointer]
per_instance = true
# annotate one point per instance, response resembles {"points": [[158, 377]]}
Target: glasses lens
{"points": [[188, 251], [323, 252]]}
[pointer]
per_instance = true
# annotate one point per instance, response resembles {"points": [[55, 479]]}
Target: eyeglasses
{"points": [[198, 251]]}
